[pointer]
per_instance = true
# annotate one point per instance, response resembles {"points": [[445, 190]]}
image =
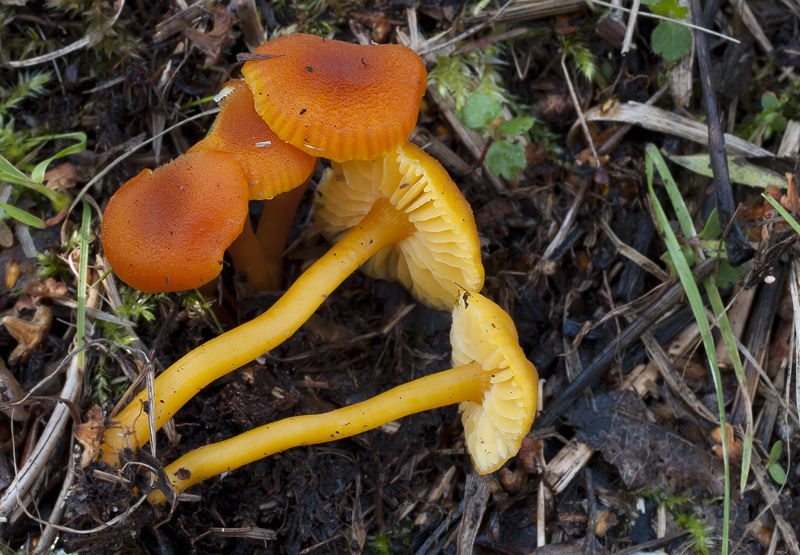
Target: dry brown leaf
{"points": [[605, 521], [10, 392], [734, 445], [644, 452], [12, 274], [47, 289], [63, 176], [88, 435], [29, 334]]}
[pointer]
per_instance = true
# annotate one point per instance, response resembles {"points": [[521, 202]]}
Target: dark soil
{"points": [[408, 488]]}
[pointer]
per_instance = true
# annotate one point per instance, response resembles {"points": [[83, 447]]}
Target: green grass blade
{"points": [[83, 270], [37, 175], [21, 216], [684, 219], [10, 174], [724, 326], [698, 309], [782, 211], [718, 307]]}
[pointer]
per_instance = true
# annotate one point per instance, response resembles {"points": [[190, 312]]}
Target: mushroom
{"points": [[334, 99], [410, 216], [492, 380], [167, 229], [270, 165], [272, 168]]}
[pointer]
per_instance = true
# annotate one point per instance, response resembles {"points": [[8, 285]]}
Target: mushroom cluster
{"points": [[167, 230], [388, 208]]}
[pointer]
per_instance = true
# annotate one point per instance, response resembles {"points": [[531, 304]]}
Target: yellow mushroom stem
{"points": [[382, 226], [462, 383], [273, 231], [250, 258]]}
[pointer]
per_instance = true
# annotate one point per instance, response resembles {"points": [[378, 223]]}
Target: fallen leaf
{"points": [[88, 435], [10, 392], [47, 289], [643, 452], [29, 334], [63, 176]]}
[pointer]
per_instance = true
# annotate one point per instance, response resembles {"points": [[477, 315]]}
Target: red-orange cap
{"points": [[334, 99], [167, 230], [270, 165]]}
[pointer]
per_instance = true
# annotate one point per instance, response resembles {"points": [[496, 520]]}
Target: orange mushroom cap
{"points": [[167, 229], [270, 165], [337, 100]]}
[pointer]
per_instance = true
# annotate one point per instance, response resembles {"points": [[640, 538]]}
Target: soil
{"points": [[649, 475]]}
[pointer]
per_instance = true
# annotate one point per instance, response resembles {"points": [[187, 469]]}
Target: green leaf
{"points": [[775, 452], [688, 255], [22, 216], [671, 40], [778, 123], [667, 8], [11, 174], [778, 473], [516, 126], [506, 159], [480, 111], [741, 171], [782, 211], [727, 275], [37, 175], [770, 102], [711, 229]]}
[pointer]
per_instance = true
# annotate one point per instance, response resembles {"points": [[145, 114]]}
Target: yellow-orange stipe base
{"points": [[223, 354], [407, 207], [496, 391], [249, 257], [438, 390]]}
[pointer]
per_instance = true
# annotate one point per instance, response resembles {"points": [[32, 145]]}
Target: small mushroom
{"points": [[272, 167], [409, 215], [334, 99], [29, 334], [493, 381], [167, 229]]}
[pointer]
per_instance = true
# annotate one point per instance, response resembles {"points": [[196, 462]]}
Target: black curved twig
{"points": [[738, 249]]}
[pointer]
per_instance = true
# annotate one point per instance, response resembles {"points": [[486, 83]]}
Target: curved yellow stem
{"points": [[381, 227], [463, 383]]}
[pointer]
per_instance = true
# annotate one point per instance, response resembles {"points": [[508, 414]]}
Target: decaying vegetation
{"points": [[653, 282]]}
